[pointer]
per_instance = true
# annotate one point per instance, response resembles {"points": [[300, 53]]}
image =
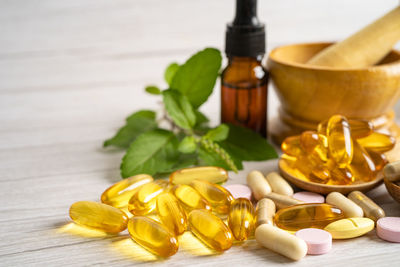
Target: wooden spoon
{"points": [[326, 189]]}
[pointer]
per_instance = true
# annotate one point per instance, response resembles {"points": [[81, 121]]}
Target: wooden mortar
{"points": [[311, 94]]}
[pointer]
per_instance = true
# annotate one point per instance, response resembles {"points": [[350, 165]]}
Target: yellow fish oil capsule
{"points": [[318, 171], [118, 194], [171, 213], [291, 146], [362, 166], [99, 216], [281, 242], [207, 173], [378, 142], [265, 212], [190, 198], [153, 236], [340, 144], [210, 229], [340, 176], [301, 168], [359, 128], [307, 216], [379, 159], [312, 142], [216, 195], [370, 208], [241, 219], [144, 200]]}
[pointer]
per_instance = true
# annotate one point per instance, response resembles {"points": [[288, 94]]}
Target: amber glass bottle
{"points": [[244, 94], [244, 81]]}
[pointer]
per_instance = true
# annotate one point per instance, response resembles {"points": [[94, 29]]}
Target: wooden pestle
{"points": [[364, 48]]}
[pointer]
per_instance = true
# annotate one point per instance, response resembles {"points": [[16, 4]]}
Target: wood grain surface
{"points": [[71, 71]]}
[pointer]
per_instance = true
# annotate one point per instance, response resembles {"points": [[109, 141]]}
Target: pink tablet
{"points": [[309, 197], [318, 241], [388, 228], [239, 190]]}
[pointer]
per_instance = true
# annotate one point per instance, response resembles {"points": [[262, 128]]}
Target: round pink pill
{"points": [[388, 228], [318, 241], [239, 190], [309, 197]]}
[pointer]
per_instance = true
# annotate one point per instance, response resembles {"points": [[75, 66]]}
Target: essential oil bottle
{"points": [[244, 82]]}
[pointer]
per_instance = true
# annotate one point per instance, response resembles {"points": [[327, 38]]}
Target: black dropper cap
{"points": [[245, 36]]}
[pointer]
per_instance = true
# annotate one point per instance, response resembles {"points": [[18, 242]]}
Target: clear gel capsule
{"points": [[359, 128], [378, 159], [210, 229], [362, 166], [190, 198], [378, 142], [144, 200], [118, 194], [307, 216], [99, 216], [291, 146], [313, 143], [171, 213], [216, 195], [207, 173], [153, 236], [241, 219], [340, 143]]}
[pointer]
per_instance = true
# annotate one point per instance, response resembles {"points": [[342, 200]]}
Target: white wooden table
{"points": [[71, 71]]}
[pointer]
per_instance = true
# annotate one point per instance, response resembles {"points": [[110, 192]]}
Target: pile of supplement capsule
{"points": [[182, 202], [341, 152], [200, 206]]}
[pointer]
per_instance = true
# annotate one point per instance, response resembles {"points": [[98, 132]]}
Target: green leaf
{"points": [[179, 109], [170, 72], [219, 133], [152, 89], [201, 119], [151, 153], [196, 78], [136, 124], [201, 126], [213, 159], [187, 145], [246, 145], [184, 161]]}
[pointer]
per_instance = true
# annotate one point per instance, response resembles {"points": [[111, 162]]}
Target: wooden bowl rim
{"points": [[325, 189], [391, 183], [391, 187], [272, 57]]}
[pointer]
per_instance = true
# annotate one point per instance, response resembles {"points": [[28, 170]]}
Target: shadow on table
{"points": [[126, 247], [190, 244], [269, 255], [77, 230], [119, 243]]}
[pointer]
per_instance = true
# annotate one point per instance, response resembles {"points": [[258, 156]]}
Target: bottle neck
{"points": [[235, 60]]}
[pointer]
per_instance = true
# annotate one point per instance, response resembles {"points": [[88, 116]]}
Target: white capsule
{"points": [[278, 184], [281, 242], [260, 187], [349, 208]]}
